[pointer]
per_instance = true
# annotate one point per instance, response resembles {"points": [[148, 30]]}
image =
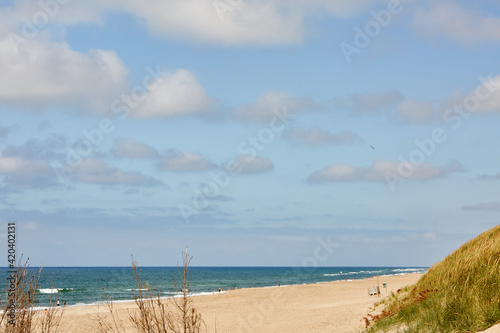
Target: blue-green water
{"points": [[83, 285]]}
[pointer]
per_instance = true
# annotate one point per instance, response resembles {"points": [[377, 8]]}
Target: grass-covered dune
{"points": [[461, 293]]}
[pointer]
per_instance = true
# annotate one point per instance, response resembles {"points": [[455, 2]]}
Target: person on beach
{"points": [[58, 302], [46, 313], [219, 290], [64, 304], [228, 287]]}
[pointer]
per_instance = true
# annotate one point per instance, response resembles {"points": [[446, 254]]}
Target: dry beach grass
{"points": [[461, 293]]}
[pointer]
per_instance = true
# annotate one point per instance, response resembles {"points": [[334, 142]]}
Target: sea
{"points": [[88, 285]]}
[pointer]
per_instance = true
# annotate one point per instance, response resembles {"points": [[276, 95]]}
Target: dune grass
{"points": [[19, 314], [153, 314], [461, 293]]}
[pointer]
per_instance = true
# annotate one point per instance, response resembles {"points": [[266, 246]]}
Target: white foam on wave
{"points": [[409, 269], [48, 291], [352, 273], [396, 271], [52, 290]]}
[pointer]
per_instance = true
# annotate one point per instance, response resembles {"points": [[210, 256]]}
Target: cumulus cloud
{"points": [[51, 147], [221, 22], [62, 12], [339, 8], [369, 103], [38, 72], [316, 137], [415, 111], [483, 99], [21, 173], [451, 20], [269, 104], [14, 165], [486, 206], [383, 171], [253, 164], [43, 72], [173, 94], [129, 148], [95, 171], [230, 22], [490, 88], [180, 161], [393, 103]]}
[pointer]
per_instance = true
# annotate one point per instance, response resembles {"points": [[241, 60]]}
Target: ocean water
{"points": [[84, 285]]}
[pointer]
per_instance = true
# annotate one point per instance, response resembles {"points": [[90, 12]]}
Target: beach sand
{"points": [[325, 307]]}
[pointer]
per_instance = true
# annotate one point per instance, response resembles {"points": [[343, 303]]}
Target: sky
{"points": [[257, 133]]}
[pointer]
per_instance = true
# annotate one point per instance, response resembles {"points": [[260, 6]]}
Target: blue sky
{"points": [[257, 133]]}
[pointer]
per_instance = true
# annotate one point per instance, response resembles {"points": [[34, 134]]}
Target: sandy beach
{"points": [[326, 307]]}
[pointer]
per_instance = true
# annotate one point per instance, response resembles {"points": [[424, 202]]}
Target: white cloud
{"points": [[41, 72], [218, 21], [174, 94], [61, 12], [236, 22], [179, 161], [339, 8], [483, 99], [451, 20], [129, 148], [492, 102], [383, 171], [259, 22], [13, 165], [369, 103], [316, 136], [253, 164], [98, 172], [270, 103], [393, 104], [415, 111]]}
